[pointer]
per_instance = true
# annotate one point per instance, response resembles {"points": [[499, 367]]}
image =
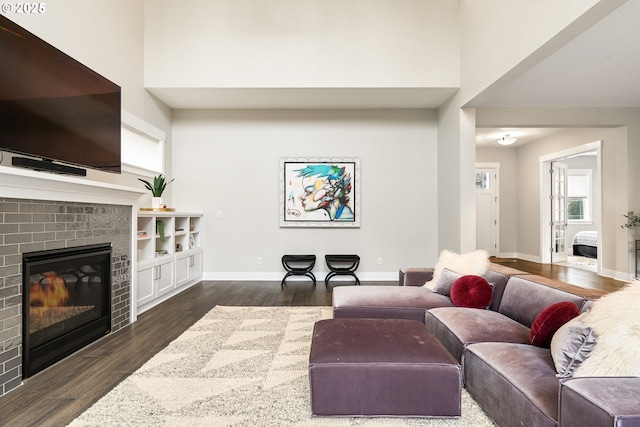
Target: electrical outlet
{"points": [[259, 260], [379, 260]]}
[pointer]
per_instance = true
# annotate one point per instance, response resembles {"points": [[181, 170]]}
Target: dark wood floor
{"points": [[60, 393], [573, 276]]}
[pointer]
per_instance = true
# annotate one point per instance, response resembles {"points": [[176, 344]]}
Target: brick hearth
{"points": [[36, 225]]}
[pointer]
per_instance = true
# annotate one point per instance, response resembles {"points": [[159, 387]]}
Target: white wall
{"points": [[299, 44], [456, 177], [501, 39], [228, 161]]}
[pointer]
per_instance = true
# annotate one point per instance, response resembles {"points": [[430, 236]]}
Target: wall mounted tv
{"points": [[54, 108]]}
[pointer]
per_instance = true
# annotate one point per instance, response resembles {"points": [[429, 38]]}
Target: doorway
{"points": [[559, 205], [487, 207], [569, 214]]}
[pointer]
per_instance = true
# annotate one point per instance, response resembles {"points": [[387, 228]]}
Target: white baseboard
{"points": [[527, 257], [507, 255], [390, 276], [617, 275]]}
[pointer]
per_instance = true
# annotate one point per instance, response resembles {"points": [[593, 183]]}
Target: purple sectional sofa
{"points": [[515, 382]]}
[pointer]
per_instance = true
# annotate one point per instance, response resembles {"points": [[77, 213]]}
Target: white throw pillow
{"points": [[616, 323], [476, 262]]}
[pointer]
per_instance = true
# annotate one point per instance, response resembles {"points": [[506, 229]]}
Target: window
{"points": [[579, 195], [483, 180], [142, 146]]}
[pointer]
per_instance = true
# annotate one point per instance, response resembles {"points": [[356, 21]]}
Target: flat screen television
{"points": [[54, 108]]}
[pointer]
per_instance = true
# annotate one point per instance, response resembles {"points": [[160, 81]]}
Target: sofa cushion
{"points": [[456, 327], [390, 302], [476, 262], [498, 281], [549, 321], [586, 293], [446, 281], [471, 291], [586, 306], [525, 297], [571, 345], [514, 383], [599, 401]]}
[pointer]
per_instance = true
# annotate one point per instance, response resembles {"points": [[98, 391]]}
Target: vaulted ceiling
{"points": [[599, 68]]}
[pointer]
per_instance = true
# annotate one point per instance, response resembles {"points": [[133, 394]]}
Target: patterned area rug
{"points": [[237, 366]]}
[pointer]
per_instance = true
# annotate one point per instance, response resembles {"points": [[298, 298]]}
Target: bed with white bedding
{"points": [[585, 243]]}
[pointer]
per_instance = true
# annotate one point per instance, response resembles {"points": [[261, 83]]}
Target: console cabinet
{"points": [[169, 255]]}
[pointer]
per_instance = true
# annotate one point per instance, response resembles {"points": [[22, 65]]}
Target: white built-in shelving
{"points": [[169, 255]]}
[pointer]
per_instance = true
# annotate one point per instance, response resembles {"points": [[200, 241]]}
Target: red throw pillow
{"points": [[471, 291], [550, 320]]}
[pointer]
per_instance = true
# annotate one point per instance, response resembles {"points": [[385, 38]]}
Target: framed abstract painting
{"points": [[319, 192]]}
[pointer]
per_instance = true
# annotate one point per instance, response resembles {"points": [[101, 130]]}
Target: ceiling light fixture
{"points": [[507, 140]]}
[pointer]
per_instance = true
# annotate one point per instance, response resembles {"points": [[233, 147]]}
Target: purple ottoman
{"points": [[381, 367]]}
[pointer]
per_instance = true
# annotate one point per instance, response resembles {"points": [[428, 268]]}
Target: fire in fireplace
{"points": [[66, 302]]}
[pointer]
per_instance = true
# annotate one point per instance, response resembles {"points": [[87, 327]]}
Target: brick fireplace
{"points": [[39, 224]]}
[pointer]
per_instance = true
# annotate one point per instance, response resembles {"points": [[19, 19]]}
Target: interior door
{"points": [[487, 210], [559, 203]]}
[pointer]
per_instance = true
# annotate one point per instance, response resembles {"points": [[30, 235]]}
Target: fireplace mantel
{"points": [[41, 211], [27, 184]]}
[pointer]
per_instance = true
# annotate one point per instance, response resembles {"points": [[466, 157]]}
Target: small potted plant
{"points": [[157, 188], [633, 220]]}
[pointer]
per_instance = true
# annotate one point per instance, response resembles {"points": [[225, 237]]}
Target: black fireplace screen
{"points": [[66, 302]]}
